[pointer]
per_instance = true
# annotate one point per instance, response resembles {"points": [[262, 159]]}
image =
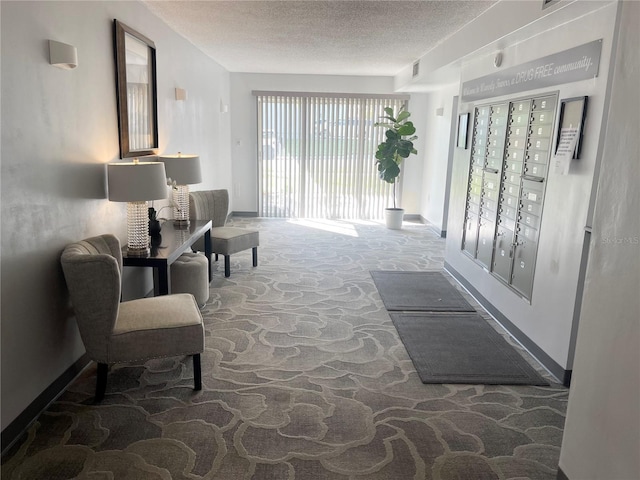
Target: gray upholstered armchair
{"points": [[115, 332], [214, 205]]}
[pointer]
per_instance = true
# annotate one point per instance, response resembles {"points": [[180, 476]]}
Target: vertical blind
{"points": [[316, 155], [138, 106]]}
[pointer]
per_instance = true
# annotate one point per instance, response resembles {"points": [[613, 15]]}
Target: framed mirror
{"points": [[136, 90]]}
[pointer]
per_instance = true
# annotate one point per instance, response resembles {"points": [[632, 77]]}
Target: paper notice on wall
{"points": [[566, 149]]}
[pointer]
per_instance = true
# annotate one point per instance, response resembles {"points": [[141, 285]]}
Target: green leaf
{"points": [[396, 147], [403, 116], [390, 173], [407, 129]]}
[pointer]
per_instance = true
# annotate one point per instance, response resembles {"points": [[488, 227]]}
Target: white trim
{"points": [[390, 96]]}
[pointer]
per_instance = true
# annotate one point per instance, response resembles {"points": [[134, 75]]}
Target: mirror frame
{"points": [[119, 34]]}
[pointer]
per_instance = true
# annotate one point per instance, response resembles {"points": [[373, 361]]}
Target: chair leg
{"points": [[255, 256], [227, 265], [101, 382], [197, 372]]}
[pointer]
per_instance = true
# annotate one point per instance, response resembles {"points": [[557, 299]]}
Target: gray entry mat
{"points": [[418, 291], [461, 348]]}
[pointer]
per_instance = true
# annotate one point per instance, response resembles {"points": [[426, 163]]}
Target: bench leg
{"points": [[227, 265], [255, 256], [101, 382], [197, 372]]}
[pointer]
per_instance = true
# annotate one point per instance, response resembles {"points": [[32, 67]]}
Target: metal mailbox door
{"points": [[535, 170], [486, 234], [502, 255], [533, 208], [470, 241], [524, 260], [544, 103]]}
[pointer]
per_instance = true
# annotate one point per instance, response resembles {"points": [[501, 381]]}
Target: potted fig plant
{"points": [[397, 146]]}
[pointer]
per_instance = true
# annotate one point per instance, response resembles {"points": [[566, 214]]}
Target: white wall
{"points": [[548, 319], [436, 156], [244, 126], [411, 185], [602, 429], [59, 129]]}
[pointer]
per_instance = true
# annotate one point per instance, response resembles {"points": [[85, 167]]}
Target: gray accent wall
{"points": [[59, 130]]}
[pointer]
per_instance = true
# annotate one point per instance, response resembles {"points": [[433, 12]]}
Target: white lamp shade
{"points": [[136, 182], [63, 55], [183, 169]]}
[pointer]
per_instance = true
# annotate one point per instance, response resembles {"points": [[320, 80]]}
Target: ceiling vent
{"points": [[416, 68]]}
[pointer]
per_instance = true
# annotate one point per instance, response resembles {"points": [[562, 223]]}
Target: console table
{"points": [[173, 243]]}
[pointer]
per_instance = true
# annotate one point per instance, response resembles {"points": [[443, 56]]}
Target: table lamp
{"points": [[183, 170], [135, 183]]}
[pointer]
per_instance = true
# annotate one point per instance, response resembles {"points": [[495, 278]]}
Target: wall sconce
{"points": [[135, 183], [62, 55], [183, 170]]}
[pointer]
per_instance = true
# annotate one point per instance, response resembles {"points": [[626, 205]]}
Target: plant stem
{"points": [[394, 194]]}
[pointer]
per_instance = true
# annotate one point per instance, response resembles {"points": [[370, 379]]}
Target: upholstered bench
{"points": [[214, 205], [190, 274], [229, 240]]}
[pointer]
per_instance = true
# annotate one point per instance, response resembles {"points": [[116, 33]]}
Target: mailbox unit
{"points": [[510, 154]]}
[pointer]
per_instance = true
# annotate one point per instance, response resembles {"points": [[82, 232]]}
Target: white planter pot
{"points": [[393, 218]]}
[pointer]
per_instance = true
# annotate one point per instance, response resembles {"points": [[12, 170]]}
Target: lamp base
{"points": [[137, 229], [138, 252], [181, 208]]}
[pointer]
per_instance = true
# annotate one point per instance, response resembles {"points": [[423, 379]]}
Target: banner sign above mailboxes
{"points": [[575, 64]]}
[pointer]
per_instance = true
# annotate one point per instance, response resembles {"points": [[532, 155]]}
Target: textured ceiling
{"points": [[317, 37]]}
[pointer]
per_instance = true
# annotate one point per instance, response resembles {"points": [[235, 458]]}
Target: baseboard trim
{"points": [[413, 217], [441, 233], [561, 475], [14, 430], [549, 363], [243, 214]]}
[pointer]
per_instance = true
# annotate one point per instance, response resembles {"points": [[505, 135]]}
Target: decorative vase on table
{"points": [[397, 146], [154, 224], [154, 228]]}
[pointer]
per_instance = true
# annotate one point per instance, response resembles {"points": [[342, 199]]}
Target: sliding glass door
{"points": [[316, 155]]}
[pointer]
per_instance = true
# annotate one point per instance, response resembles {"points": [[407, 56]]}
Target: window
{"points": [[317, 155]]}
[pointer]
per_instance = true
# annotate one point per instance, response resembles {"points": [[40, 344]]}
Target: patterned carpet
{"points": [[304, 377]]}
